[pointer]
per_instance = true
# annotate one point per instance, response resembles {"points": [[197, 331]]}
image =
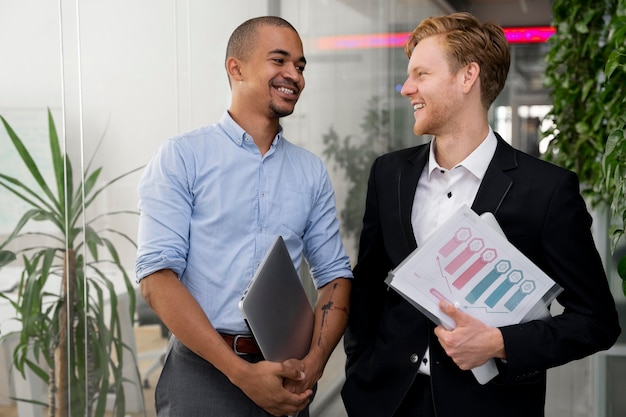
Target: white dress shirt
{"points": [[441, 192]]}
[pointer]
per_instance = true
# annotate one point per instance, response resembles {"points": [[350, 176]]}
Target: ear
{"points": [[233, 68], [470, 76]]}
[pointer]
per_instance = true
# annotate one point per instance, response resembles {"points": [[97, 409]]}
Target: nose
{"points": [[293, 73], [407, 88]]}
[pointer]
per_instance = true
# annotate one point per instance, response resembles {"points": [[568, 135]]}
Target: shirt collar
{"points": [[477, 162], [237, 134]]}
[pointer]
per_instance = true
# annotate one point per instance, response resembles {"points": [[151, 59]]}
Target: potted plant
{"points": [[67, 338]]}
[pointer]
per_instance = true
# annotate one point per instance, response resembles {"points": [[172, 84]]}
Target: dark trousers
{"points": [[418, 402], [189, 386]]}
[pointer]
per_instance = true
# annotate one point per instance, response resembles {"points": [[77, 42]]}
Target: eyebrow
{"points": [[286, 54], [415, 69]]}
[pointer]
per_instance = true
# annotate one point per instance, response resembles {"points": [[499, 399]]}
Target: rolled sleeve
{"points": [[165, 205], [323, 246]]}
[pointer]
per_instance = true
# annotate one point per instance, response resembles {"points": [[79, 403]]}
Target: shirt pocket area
{"points": [[295, 204]]}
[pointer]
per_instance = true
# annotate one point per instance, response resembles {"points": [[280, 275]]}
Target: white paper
{"points": [[469, 263]]}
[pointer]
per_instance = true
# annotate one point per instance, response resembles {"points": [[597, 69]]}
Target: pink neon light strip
{"points": [[534, 34]]}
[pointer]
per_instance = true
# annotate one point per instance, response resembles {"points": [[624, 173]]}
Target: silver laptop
{"points": [[276, 307]]}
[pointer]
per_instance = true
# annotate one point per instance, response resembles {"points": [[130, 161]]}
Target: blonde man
{"points": [[398, 362]]}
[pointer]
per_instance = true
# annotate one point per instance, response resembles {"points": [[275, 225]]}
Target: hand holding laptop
{"points": [[277, 309]]}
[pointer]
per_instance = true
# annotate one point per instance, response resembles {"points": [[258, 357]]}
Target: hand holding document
{"points": [[469, 263]]}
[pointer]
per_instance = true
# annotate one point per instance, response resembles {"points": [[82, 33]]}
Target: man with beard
{"points": [[398, 362], [212, 201]]}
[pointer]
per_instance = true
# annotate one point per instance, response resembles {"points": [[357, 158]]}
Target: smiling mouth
{"points": [[286, 90], [418, 106]]}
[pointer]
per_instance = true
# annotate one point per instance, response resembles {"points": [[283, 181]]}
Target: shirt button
{"points": [[414, 358]]}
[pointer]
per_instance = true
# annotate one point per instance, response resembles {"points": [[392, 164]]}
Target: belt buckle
{"points": [[235, 340]]}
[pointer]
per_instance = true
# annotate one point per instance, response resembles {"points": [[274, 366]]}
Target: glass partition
{"points": [[31, 87], [118, 78]]}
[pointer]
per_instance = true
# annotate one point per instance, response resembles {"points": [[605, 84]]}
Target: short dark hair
{"points": [[243, 38], [466, 40]]}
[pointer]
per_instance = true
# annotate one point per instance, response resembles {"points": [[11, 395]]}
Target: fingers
{"points": [[292, 369], [305, 399], [266, 388], [294, 378], [448, 308], [295, 401], [459, 317]]}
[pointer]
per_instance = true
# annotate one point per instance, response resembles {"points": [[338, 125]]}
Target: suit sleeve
{"points": [[589, 322]]}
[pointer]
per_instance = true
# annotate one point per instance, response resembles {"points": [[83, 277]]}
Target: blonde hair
{"points": [[465, 39]]}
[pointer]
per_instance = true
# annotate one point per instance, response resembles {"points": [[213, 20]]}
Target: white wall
{"points": [[133, 73], [136, 73]]}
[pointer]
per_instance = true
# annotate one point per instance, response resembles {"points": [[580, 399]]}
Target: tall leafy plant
{"points": [[355, 156], [67, 338], [587, 82], [614, 158]]}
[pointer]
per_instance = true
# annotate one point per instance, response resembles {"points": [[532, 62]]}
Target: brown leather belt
{"points": [[242, 345]]}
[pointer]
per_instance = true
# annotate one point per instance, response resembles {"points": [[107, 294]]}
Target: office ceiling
{"points": [[503, 12], [508, 12], [528, 64]]}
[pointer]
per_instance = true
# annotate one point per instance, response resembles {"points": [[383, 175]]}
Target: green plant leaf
{"points": [[621, 267], [108, 184], [26, 217], [57, 160], [613, 140], [612, 63], [19, 189], [6, 257], [28, 160], [93, 241], [38, 370]]}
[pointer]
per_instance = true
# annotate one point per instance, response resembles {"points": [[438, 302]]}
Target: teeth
{"points": [[286, 90], [418, 106]]}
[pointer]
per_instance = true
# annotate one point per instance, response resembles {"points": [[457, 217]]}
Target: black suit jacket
{"points": [[539, 207]]}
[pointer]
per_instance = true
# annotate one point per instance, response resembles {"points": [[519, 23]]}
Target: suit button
{"points": [[414, 358]]}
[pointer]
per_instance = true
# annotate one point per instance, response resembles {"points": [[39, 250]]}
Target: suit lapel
{"points": [[408, 176], [496, 183]]}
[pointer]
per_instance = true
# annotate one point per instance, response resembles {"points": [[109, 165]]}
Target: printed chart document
{"points": [[469, 263]]}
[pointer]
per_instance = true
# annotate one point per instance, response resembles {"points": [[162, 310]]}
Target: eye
{"points": [[278, 60], [300, 68]]}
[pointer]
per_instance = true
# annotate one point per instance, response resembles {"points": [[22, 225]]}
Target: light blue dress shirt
{"points": [[211, 205]]}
